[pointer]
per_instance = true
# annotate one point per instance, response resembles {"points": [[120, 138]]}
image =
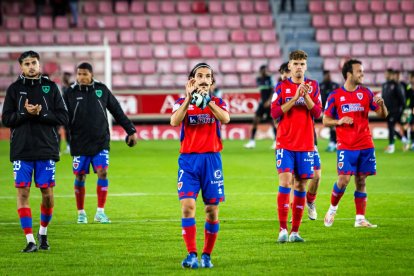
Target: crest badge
{"points": [[278, 163], [340, 165], [46, 89], [98, 93], [179, 185], [75, 165], [360, 96]]}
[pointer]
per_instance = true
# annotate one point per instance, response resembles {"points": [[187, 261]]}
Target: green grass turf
{"points": [[145, 236]]}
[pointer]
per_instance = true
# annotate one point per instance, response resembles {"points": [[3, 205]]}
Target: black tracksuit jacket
{"points": [[34, 137], [88, 122]]}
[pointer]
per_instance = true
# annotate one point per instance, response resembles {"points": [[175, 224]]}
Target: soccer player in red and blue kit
{"points": [[199, 163], [295, 103], [347, 109]]}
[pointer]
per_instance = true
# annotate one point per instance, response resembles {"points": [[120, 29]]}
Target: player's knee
{"points": [[211, 212], [102, 174], [81, 177], [47, 200], [188, 209]]}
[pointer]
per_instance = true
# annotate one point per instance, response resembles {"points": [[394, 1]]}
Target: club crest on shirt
{"points": [[360, 96], [288, 91], [179, 185], [310, 87], [278, 163], [342, 98], [340, 165]]}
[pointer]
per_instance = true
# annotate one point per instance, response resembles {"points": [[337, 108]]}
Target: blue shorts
{"points": [[299, 163], [201, 171], [44, 173], [81, 163], [356, 162], [316, 160]]}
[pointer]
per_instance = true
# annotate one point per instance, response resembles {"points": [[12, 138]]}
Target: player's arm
{"points": [[314, 104], [115, 109], [179, 114], [218, 112], [278, 109], [12, 116], [382, 111], [59, 114], [329, 121]]}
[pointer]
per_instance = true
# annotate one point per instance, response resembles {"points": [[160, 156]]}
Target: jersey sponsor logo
{"points": [[353, 107], [217, 174], [200, 119], [98, 93], [179, 185], [300, 101], [360, 96], [340, 165], [46, 89]]}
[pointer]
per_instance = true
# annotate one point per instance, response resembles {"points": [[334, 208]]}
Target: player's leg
{"points": [[188, 187], [391, 120], [23, 172], [100, 163], [313, 186], [80, 165], [44, 175], [256, 120], [298, 205], [366, 166], [285, 167], [212, 185]]}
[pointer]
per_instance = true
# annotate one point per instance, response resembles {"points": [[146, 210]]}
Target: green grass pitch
{"points": [[145, 236]]}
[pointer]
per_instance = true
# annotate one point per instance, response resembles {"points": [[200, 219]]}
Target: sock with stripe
{"points": [[336, 194], [211, 229], [299, 200], [80, 194], [310, 198], [189, 234], [102, 192], [25, 215], [360, 202], [283, 206], [45, 218]]}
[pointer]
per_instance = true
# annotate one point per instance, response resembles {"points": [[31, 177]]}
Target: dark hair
{"points": [[28, 54], [347, 67], [198, 66], [325, 72], [390, 70], [411, 73], [298, 55], [284, 68], [85, 65], [264, 66]]}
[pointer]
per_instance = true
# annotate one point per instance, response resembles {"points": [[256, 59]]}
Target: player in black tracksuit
{"points": [[33, 109], [87, 101]]}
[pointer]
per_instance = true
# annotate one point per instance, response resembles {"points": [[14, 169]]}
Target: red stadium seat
{"points": [[268, 36], [323, 35], [405, 49], [123, 22], [167, 80], [331, 64], [316, 6], [63, 38], [147, 67], [155, 22], [390, 49], [247, 80], [392, 6], [129, 52], [92, 22], [144, 52], [104, 7], [244, 66], [396, 20], [151, 81], [231, 80], [187, 22], [94, 38], [161, 51], [12, 23], [265, 21], [50, 68], [90, 7], [109, 22], [327, 50], [116, 52], [379, 78], [230, 7], [153, 7], [369, 78], [370, 35], [199, 7], [365, 20], [174, 36], [218, 21], [45, 23], [233, 21], [31, 38], [339, 35], [61, 22], [345, 7], [78, 37], [241, 51], [385, 35], [335, 20], [137, 7], [272, 50], [29, 23], [407, 6], [142, 37], [111, 36], [374, 49], [203, 22], [228, 66], [394, 63], [183, 6], [381, 20], [401, 34], [126, 36], [366, 63], [412, 34], [215, 7], [246, 7], [164, 66], [171, 22], [5, 69], [257, 50], [139, 22], [121, 7], [193, 51], [180, 66], [224, 51], [377, 5], [205, 36], [343, 50], [167, 7], [134, 81], [409, 19], [354, 35], [319, 20], [46, 38], [221, 36], [351, 20], [177, 51], [158, 36], [131, 67], [331, 6], [189, 36], [208, 51], [3, 42], [361, 6], [261, 6], [253, 36], [408, 65], [237, 36], [358, 49]]}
